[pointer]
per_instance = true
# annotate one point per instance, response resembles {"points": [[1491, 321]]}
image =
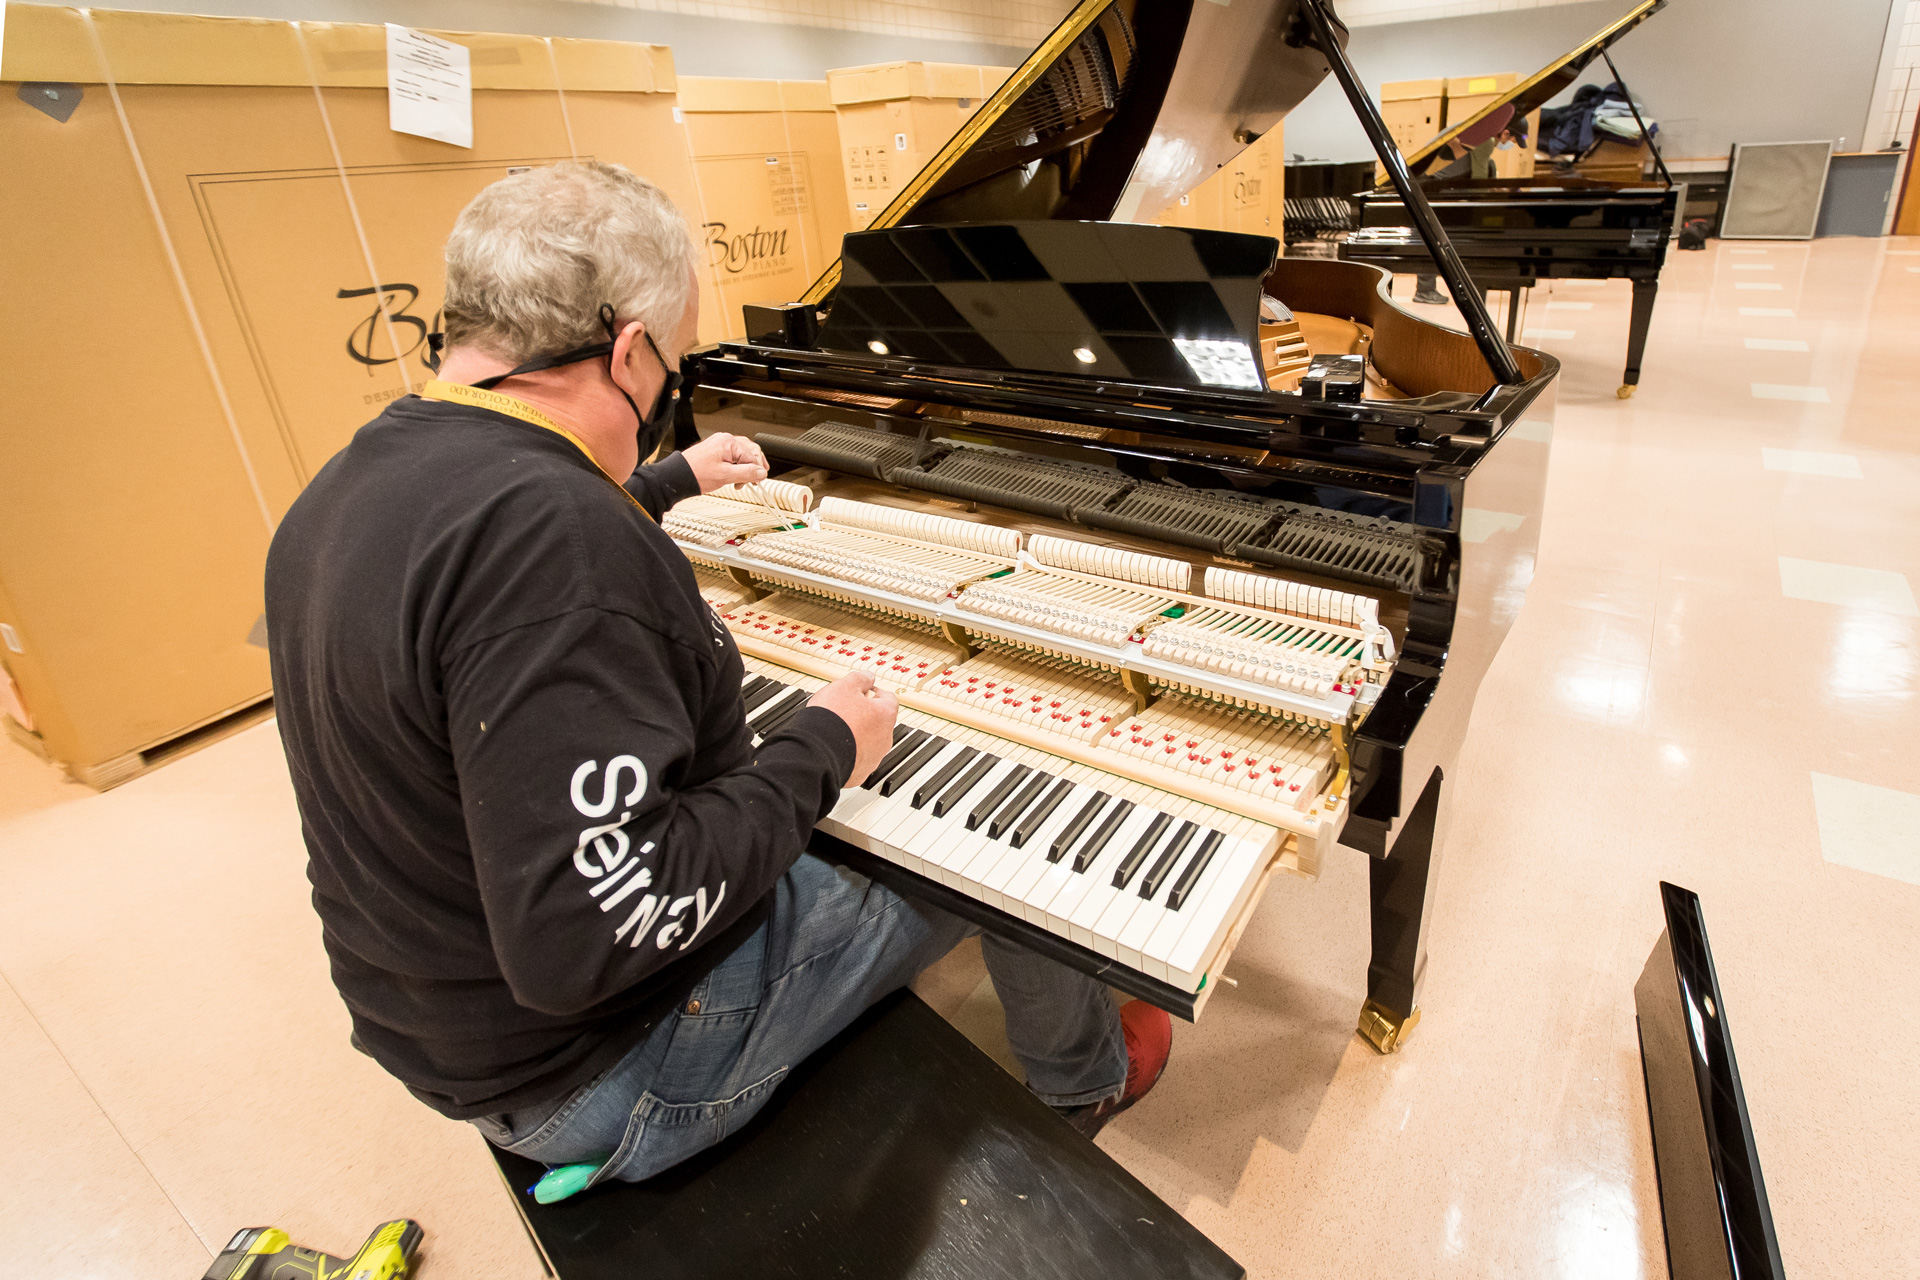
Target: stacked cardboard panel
{"points": [[218, 310], [1247, 194], [894, 117], [767, 158], [1415, 110]]}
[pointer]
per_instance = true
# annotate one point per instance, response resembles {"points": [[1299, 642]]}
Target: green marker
{"points": [[560, 1183]]}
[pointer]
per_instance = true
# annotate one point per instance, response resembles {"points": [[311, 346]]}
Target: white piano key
{"points": [[936, 841], [1173, 924], [1126, 901], [1218, 908], [1082, 911], [994, 879], [1020, 886], [895, 819]]}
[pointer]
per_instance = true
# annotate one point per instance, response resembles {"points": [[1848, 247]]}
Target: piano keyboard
{"points": [[1150, 879]]}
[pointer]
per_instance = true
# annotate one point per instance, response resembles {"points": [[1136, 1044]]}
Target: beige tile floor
{"points": [[1683, 698]]}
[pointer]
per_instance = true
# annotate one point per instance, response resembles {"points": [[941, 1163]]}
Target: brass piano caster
{"points": [[1625, 392], [1383, 1030]]}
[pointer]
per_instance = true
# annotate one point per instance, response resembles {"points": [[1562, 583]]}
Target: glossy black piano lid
{"points": [[1713, 1200], [1107, 301]]}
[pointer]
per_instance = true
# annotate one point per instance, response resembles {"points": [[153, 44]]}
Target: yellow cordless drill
{"points": [[265, 1253]]}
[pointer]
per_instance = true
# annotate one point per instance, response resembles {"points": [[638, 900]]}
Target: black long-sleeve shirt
{"points": [[532, 807]]}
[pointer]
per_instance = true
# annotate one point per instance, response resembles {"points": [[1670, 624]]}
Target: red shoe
{"points": [[1149, 1033]]}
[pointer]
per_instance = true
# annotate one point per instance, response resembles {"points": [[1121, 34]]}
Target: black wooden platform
{"points": [[898, 1150]]}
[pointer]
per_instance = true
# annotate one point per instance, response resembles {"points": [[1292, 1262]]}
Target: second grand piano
{"points": [[1185, 561], [1511, 232]]}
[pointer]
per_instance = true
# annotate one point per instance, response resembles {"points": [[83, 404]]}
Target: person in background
{"points": [[564, 890], [1472, 151]]}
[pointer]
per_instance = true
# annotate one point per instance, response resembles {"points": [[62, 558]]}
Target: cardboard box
{"points": [[1468, 95], [143, 477], [1415, 110], [894, 117], [767, 156], [1612, 161], [1247, 194]]}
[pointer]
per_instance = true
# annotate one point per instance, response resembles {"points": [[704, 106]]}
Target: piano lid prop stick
{"points": [[1466, 295]]}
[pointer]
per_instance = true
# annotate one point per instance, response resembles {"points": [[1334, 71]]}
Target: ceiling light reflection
{"points": [[1872, 656]]}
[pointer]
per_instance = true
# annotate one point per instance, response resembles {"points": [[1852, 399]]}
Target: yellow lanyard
{"points": [[479, 398]]}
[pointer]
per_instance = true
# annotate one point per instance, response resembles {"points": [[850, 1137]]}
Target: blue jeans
{"points": [[834, 943]]}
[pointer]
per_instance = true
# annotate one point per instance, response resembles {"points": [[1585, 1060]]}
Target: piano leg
{"points": [[1643, 291], [1400, 891]]}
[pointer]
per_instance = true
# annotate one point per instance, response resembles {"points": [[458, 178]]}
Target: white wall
{"points": [[1713, 72], [701, 46]]}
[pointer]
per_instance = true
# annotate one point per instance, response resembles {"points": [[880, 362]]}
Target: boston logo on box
{"points": [[745, 250], [395, 299]]}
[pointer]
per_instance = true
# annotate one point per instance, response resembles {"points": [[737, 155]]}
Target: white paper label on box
{"points": [[679, 116], [899, 142], [12, 638], [429, 87]]}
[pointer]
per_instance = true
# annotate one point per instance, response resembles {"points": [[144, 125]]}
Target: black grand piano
{"points": [[1167, 613], [1511, 232]]}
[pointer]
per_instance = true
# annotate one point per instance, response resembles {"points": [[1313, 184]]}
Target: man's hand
{"points": [[722, 459], [868, 711]]}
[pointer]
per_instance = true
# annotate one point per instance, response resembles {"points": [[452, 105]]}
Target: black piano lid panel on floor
{"points": [[898, 1150], [1712, 1197]]}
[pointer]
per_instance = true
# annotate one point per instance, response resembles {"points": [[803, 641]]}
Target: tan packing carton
{"points": [[767, 157], [894, 117], [1247, 194], [144, 472], [1467, 96], [1415, 110]]}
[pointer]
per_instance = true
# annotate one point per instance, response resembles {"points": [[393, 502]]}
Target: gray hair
{"points": [[535, 255]]}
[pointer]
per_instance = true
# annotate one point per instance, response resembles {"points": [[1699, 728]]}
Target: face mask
{"points": [[659, 420], [652, 427]]}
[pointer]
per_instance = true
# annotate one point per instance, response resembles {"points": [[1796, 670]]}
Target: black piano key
{"points": [[776, 714], [1190, 874], [766, 704], [767, 689], [904, 745], [1131, 863], [991, 801], [1098, 840], [769, 724], [790, 695], [968, 781], [1071, 832], [931, 787], [913, 764], [1039, 814], [1010, 811], [1157, 875]]}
